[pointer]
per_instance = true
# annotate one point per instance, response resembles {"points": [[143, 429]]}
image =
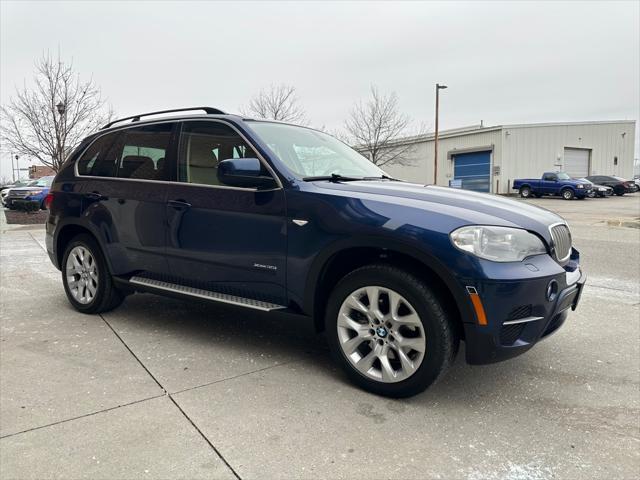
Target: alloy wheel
{"points": [[381, 334], [82, 274]]}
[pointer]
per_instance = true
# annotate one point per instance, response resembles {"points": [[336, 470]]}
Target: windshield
{"points": [[43, 182], [310, 153], [563, 176]]}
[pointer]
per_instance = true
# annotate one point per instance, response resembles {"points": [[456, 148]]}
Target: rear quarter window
{"points": [[97, 160]]}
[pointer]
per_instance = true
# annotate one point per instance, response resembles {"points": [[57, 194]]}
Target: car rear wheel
{"points": [[86, 278], [389, 332], [525, 192], [567, 194]]}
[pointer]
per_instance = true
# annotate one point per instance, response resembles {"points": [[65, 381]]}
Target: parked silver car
{"points": [[598, 190]]}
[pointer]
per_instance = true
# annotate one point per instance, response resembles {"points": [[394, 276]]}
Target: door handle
{"points": [[179, 204], [95, 196]]}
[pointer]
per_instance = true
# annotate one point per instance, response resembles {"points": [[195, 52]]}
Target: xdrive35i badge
{"points": [[266, 267]]}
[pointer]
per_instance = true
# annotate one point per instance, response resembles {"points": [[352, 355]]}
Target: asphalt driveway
{"points": [[161, 388]]}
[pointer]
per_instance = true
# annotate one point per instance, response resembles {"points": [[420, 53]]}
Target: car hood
{"points": [[27, 189], [457, 207]]}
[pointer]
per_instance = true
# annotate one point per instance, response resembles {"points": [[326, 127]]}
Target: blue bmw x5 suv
{"points": [[277, 217]]}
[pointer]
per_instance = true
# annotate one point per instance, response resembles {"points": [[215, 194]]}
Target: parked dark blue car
{"points": [[553, 183], [276, 217]]}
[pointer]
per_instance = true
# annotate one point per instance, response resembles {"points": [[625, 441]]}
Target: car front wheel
{"points": [[86, 278], [389, 331], [525, 192], [567, 194]]}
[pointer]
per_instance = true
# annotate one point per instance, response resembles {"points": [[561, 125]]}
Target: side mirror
{"points": [[243, 172]]}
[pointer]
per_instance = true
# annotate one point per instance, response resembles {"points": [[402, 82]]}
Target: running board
{"points": [[206, 294]]}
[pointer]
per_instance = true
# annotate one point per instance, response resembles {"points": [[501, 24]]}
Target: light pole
{"points": [[435, 141], [62, 108], [17, 157]]}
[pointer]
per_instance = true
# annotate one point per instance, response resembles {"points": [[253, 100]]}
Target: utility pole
{"points": [[13, 169], [435, 141]]}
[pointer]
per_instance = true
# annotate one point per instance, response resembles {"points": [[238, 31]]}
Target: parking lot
{"points": [[161, 388]]}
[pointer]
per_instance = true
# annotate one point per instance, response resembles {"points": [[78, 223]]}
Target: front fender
{"points": [[443, 273]]}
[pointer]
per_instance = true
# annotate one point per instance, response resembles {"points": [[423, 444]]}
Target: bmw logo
{"points": [[381, 331]]}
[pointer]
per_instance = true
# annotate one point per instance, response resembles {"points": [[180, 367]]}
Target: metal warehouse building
{"points": [[488, 159]]}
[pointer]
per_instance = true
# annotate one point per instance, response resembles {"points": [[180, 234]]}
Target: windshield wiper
{"points": [[382, 177], [334, 177]]}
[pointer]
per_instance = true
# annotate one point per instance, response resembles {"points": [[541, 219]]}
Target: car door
{"points": [[222, 238], [549, 183], [124, 196]]}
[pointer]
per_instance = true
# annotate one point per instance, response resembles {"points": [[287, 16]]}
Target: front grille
{"points": [[18, 194], [523, 311], [561, 237], [510, 333]]}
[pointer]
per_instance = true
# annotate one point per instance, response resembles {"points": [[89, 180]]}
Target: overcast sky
{"points": [[504, 62]]}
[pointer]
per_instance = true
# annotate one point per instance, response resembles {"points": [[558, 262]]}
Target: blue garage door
{"points": [[473, 170]]}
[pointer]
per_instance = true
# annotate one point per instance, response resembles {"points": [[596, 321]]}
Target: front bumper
{"points": [[519, 315], [11, 201]]}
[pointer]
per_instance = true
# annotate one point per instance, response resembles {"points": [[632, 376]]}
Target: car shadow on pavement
{"points": [[165, 329]]}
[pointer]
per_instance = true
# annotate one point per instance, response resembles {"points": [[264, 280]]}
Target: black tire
{"points": [[567, 194], [440, 334], [525, 192], [107, 296]]}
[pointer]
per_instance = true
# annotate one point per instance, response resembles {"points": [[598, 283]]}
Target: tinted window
{"points": [[99, 160], [142, 151], [205, 144], [549, 177]]}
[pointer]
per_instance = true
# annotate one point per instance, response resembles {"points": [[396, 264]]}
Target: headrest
{"points": [[137, 166], [201, 152]]}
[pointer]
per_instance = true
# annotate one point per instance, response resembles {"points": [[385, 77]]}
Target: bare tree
{"points": [[278, 102], [47, 120], [375, 127]]}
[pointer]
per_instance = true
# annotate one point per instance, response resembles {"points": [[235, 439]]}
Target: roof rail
{"points": [[136, 118]]}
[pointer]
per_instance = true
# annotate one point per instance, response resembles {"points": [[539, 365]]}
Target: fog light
{"points": [[552, 290]]}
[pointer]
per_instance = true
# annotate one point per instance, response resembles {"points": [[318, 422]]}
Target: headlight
{"points": [[580, 186], [498, 244], [33, 192]]}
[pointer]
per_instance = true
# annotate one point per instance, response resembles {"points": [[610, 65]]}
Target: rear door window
{"points": [[142, 152]]}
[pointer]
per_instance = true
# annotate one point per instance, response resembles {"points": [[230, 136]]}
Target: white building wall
{"points": [[525, 151], [528, 150]]}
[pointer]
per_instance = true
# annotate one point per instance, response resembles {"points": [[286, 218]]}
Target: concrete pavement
{"points": [[161, 388]]}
